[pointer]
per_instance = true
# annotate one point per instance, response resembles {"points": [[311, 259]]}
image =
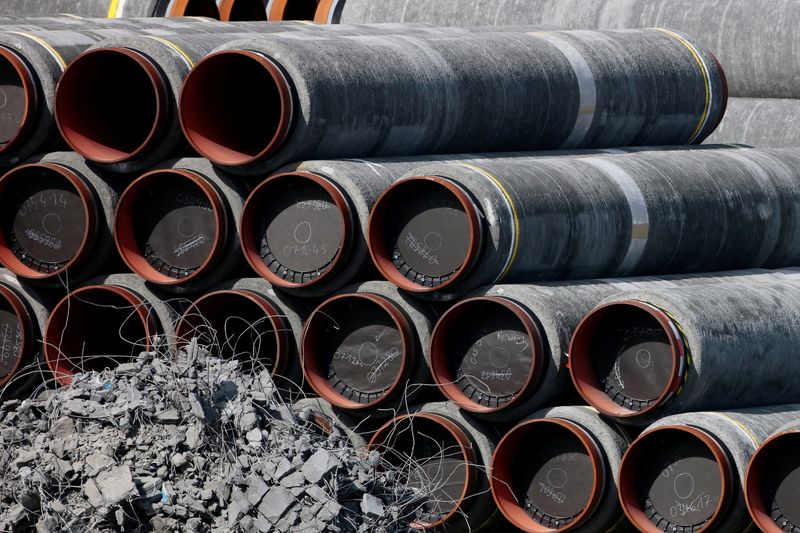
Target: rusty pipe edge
{"points": [[328, 11], [761, 485], [292, 10], [89, 206], [382, 442], [252, 224], [25, 323], [125, 227], [448, 328], [582, 358], [193, 8], [313, 362], [242, 10], [226, 127], [207, 311], [88, 116], [14, 68], [89, 307], [505, 468]]}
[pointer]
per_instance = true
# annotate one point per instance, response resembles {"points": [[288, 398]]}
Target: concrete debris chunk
{"points": [[276, 502]]}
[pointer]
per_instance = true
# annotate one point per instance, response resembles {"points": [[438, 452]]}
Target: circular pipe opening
{"points": [[236, 107], [297, 229], [111, 105], [675, 478], [773, 483], [170, 226], [559, 484], [238, 324], [432, 454], [487, 354], [16, 335], [243, 10], [357, 350], [627, 358], [48, 220], [293, 10], [194, 8], [18, 99], [96, 327], [425, 233]]}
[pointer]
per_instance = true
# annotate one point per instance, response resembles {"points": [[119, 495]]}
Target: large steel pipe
{"points": [[760, 122], [455, 226], [241, 108], [106, 322], [56, 214], [442, 456], [568, 478], [233, 10], [772, 485], [687, 472], [177, 226], [366, 350], [647, 353], [113, 8]]}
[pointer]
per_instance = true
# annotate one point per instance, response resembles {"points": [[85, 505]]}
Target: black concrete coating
{"points": [[638, 213], [673, 94], [760, 122]]}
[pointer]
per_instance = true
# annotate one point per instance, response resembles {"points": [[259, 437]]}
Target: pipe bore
{"points": [[48, 218], [243, 10], [170, 226], [293, 9], [238, 324], [236, 107], [560, 482], [424, 233], [357, 350], [111, 105], [18, 99], [16, 335], [627, 358], [297, 228], [486, 354], [772, 485], [433, 455], [193, 8], [675, 478], [96, 327]]}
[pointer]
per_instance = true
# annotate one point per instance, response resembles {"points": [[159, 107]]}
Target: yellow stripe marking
{"points": [[112, 9], [45, 44], [740, 426], [174, 47]]}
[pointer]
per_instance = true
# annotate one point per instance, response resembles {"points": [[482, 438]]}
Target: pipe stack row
{"points": [[500, 253]]}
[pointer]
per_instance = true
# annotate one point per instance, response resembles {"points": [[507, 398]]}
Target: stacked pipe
{"points": [[114, 8]]}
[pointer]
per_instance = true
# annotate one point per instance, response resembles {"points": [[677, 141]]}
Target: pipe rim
{"points": [[226, 8], [26, 330], [627, 485], [125, 234], [581, 365], [278, 8], [31, 97], [464, 442], [440, 354], [90, 212], [754, 496], [325, 11], [214, 151], [250, 241], [724, 83], [279, 325], [96, 150], [382, 255], [504, 460], [316, 377], [181, 7], [59, 363]]}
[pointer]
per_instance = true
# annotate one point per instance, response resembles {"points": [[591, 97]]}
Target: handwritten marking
{"points": [[185, 247], [46, 240], [419, 247]]}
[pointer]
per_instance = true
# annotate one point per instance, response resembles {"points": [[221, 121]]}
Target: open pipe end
{"points": [[48, 219], [16, 330], [111, 105], [675, 477], [170, 226], [243, 10], [487, 354], [627, 358], [327, 11], [238, 324], [437, 457], [236, 107], [96, 327], [772, 484], [293, 10], [561, 481], [425, 233], [358, 350], [297, 229], [18, 100], [194, 8]]}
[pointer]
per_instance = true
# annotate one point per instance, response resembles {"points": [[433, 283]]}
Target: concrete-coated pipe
{"points": [[647, 353], [442, 456], [248, 320], [772, 484], [366, 349], [568, 479], [453, 227], [687, 472], [108, 321], [378, 95], [760, 122], [177, 226], [114, 8], [56, 214]]}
